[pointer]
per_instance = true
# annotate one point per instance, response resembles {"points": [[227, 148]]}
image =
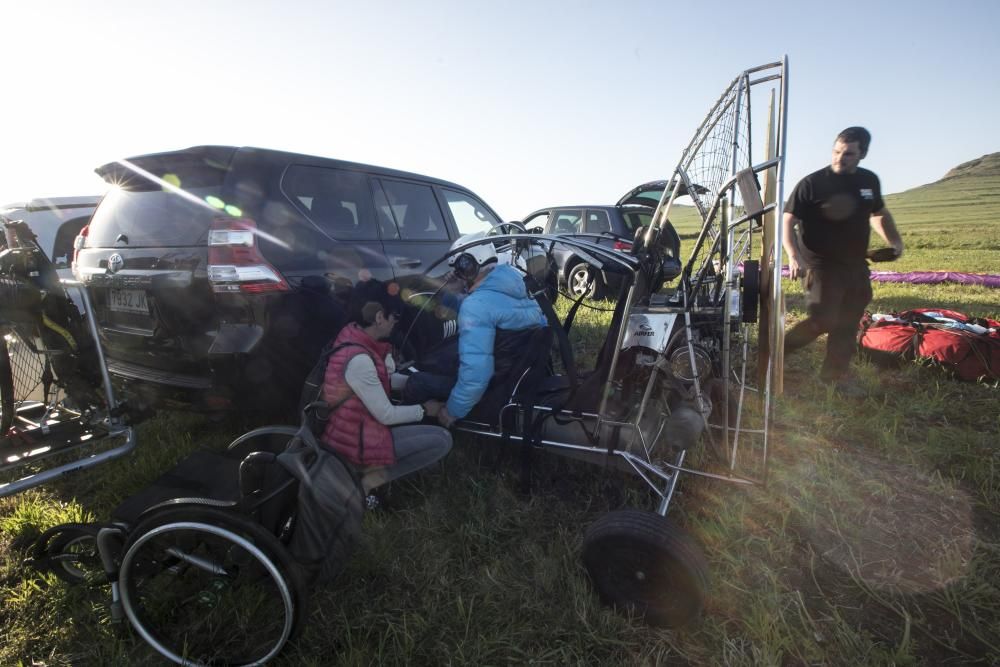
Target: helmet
{"points": [[466, 264]]}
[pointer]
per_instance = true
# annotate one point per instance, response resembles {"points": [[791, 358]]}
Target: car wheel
{"points": [[582, 282]]}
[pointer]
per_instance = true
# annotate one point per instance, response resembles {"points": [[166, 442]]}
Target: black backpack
{"points": [[315, 412], [330, 505], [330, 498]]}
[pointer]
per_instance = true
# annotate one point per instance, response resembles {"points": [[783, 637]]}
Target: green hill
{"points": [[987, 165], [967, 196], [686, 220], [955, 221]]}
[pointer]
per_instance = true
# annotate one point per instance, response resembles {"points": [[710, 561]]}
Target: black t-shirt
{"points": [[834, 210]]}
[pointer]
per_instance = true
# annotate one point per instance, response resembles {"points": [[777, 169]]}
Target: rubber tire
{"points": [[578, 276], [169, 518], [751, 290], [81, 541], [6, 389], [641, 563]]}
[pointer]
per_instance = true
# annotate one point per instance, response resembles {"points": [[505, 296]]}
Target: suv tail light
{"points": [[623, 245], [78, 242], [234, 261]]}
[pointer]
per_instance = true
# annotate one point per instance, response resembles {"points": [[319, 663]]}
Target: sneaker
{"points": [[372, 502]]}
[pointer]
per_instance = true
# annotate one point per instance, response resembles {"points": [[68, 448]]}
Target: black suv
{"points": [[613, 226], [218, 273]]}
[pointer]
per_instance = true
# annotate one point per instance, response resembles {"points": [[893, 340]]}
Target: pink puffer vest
{"points": [[352, 431]]}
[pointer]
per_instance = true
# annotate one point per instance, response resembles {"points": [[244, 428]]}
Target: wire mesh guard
{"points": [[29, 371], [731, 171], [721, 145]]}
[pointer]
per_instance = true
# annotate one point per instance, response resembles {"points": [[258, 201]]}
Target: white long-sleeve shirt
{"points": [[362, 378]]}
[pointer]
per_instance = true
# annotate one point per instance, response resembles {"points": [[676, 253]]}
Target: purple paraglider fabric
{"points": [[929, 277], [934, 277]]}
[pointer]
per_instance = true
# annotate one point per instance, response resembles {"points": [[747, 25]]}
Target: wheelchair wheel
{"points": [[207, 586], [73, 556]]}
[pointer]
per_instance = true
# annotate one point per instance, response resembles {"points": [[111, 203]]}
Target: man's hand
{"points": [[883, 255], [432, 408], [444, 417], [794, 270], [884, 225], [790, 241]]}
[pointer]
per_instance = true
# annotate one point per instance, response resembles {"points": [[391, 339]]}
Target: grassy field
{"points": [[876, 542]]}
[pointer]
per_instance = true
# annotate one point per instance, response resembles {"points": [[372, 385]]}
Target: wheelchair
{"points": [[202, 562]]}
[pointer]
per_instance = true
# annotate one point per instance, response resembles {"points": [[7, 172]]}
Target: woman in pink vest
{"points": [[365, 428]]}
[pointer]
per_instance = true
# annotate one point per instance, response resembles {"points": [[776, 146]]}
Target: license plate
{"points": [[128, 301]]}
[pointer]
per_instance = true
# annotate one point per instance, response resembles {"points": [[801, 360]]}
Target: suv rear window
{"points": [[634, 219], [154, 217], [168, 199]]}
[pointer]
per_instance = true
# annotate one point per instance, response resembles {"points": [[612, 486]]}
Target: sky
{"points": [[529, 104]]}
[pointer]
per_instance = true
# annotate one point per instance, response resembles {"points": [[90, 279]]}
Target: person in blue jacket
{"points": [[497, 304]]}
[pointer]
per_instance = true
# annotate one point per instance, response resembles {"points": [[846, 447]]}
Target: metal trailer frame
{"points": [[38, 423]]}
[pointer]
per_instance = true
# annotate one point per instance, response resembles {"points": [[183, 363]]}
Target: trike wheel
{"points": [[640, 562], [208, 586], [582, 281]]}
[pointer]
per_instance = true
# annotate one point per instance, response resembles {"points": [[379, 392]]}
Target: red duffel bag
{"points": [[966, 346]]}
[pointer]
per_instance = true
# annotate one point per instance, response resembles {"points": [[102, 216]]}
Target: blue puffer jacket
{"points": [[499, 302]]}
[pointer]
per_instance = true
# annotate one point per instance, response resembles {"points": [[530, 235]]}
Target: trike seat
{"points": [[520, 379]]}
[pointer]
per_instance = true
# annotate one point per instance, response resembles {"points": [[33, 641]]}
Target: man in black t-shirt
{"points": [[827, 223]]}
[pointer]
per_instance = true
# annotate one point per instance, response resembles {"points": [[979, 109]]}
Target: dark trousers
{"points": [[416, 446], [835, 300], [438, 374], [422, 387]]}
